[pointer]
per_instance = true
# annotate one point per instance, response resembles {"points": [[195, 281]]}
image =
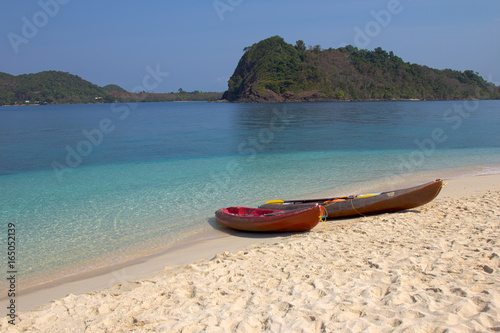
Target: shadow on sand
{"points": [[249, 234]]}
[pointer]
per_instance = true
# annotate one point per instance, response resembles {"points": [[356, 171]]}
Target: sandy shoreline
{"points": [[181, 254], [427, 269]]}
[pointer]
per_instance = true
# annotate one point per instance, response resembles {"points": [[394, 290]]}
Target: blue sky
{"points": [[199, 42]]}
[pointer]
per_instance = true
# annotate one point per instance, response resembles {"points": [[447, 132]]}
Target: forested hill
{"points": [[54, 87], [275, 71], [47, 88]]}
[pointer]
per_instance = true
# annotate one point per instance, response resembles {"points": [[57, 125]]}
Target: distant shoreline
{"points": [[33, 104], [263, 102]]}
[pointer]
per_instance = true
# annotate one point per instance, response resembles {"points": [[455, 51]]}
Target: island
{"points": [[275, 71], [56, 87]]}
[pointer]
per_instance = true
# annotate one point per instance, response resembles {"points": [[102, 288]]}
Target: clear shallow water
{"points": [[92, 185]]}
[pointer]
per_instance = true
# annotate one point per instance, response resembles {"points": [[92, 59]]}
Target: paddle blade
{"points": [[277, 202], [367, 195]]}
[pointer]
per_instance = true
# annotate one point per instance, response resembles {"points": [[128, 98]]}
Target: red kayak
{"points": [[258, 219]]}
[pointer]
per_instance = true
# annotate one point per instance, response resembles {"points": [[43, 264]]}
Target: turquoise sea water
{"points": [[92, 185]]}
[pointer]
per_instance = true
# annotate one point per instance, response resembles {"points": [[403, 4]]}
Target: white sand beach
{"points": [[434, 268]]}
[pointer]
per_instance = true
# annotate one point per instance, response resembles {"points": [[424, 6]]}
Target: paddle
{"points": [[277, 202], [281, 202]]}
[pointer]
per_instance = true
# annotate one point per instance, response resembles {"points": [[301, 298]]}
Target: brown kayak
{"points": [[367, 204]]}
